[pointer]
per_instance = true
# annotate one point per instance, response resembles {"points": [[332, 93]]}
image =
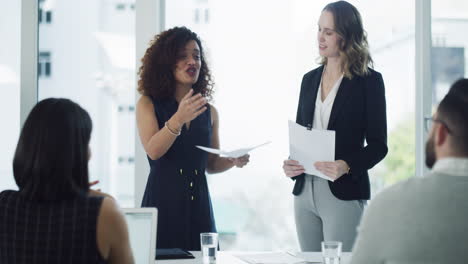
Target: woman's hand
{"points": [[190, 107], [333, 169], [240, 161], [97, 192], [292, 168], [94, 183]]}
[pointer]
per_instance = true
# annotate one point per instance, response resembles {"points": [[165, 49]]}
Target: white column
{"points": [[149, 22], [29, 33], [423, 79]]}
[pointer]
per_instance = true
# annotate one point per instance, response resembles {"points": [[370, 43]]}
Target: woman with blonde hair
{"points": [[345, 95]]}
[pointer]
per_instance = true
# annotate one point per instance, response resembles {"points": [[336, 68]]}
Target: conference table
{"points": [[234, 257]]}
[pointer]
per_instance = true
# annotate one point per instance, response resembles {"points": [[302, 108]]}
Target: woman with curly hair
{"points": [[173, 116], [345, 95]]}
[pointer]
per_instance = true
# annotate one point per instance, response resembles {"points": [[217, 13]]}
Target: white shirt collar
{"points": [[452, 166], [323, 109], [331, 95]]}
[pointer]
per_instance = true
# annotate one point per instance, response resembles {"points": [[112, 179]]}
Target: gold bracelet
{"points": [[170, 130]]}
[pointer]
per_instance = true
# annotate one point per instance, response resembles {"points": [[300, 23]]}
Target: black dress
{"points": [[177, 183]]}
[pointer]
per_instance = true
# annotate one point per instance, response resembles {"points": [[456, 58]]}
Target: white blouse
{"points": [[323, 109]]}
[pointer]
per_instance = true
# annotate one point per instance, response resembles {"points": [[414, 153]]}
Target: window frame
{"points": [[150, 17]]}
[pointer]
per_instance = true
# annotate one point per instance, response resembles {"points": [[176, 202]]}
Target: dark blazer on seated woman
{"points": [[358, 115]]}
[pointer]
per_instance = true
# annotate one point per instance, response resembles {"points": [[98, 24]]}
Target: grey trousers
{"points": [[320, 216]]}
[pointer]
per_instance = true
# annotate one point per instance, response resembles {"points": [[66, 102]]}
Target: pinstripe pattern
{"points": [[48, 232]]}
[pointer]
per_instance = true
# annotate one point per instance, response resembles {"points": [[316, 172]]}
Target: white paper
{"points": [[310, 146], [231, 154], [270, 258], [316, 257], [309, 257]]}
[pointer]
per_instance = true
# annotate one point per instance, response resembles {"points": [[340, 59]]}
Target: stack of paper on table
{"points": [[270, 258]]}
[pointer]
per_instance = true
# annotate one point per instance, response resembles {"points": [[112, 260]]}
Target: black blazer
{"points": [[358, 114]]}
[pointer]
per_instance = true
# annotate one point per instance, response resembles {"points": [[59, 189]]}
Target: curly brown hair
{"points": [[156, 72]]}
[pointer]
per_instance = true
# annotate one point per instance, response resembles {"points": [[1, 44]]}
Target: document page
{"points": [[270, 258], [231, 154], [310, 146]]}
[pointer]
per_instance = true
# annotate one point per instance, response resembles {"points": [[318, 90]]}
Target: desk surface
{"points": [[229, 257]]}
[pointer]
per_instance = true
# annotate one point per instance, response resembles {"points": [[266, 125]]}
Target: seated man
{"points": [[425, 219]]}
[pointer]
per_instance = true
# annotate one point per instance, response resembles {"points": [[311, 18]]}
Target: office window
{"points": [[120, 6], [44, 65], [48, 17], [10, 53], [196, 15], [41, 2], [258, 68], [93, 53], [45, 14], [207, 15], [125, 6], [201, 15], [449, 52]]}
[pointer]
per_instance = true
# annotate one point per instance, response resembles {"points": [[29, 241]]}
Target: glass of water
{"points": [[331, 252], [209, 247]]}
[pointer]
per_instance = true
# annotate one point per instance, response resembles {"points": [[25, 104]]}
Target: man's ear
{"points": [[441, 134]]}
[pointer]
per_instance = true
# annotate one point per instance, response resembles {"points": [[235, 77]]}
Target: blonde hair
{"points": [[354, 48]]}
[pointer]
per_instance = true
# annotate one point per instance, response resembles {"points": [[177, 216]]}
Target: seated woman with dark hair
{"points": [[54, 217]]}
